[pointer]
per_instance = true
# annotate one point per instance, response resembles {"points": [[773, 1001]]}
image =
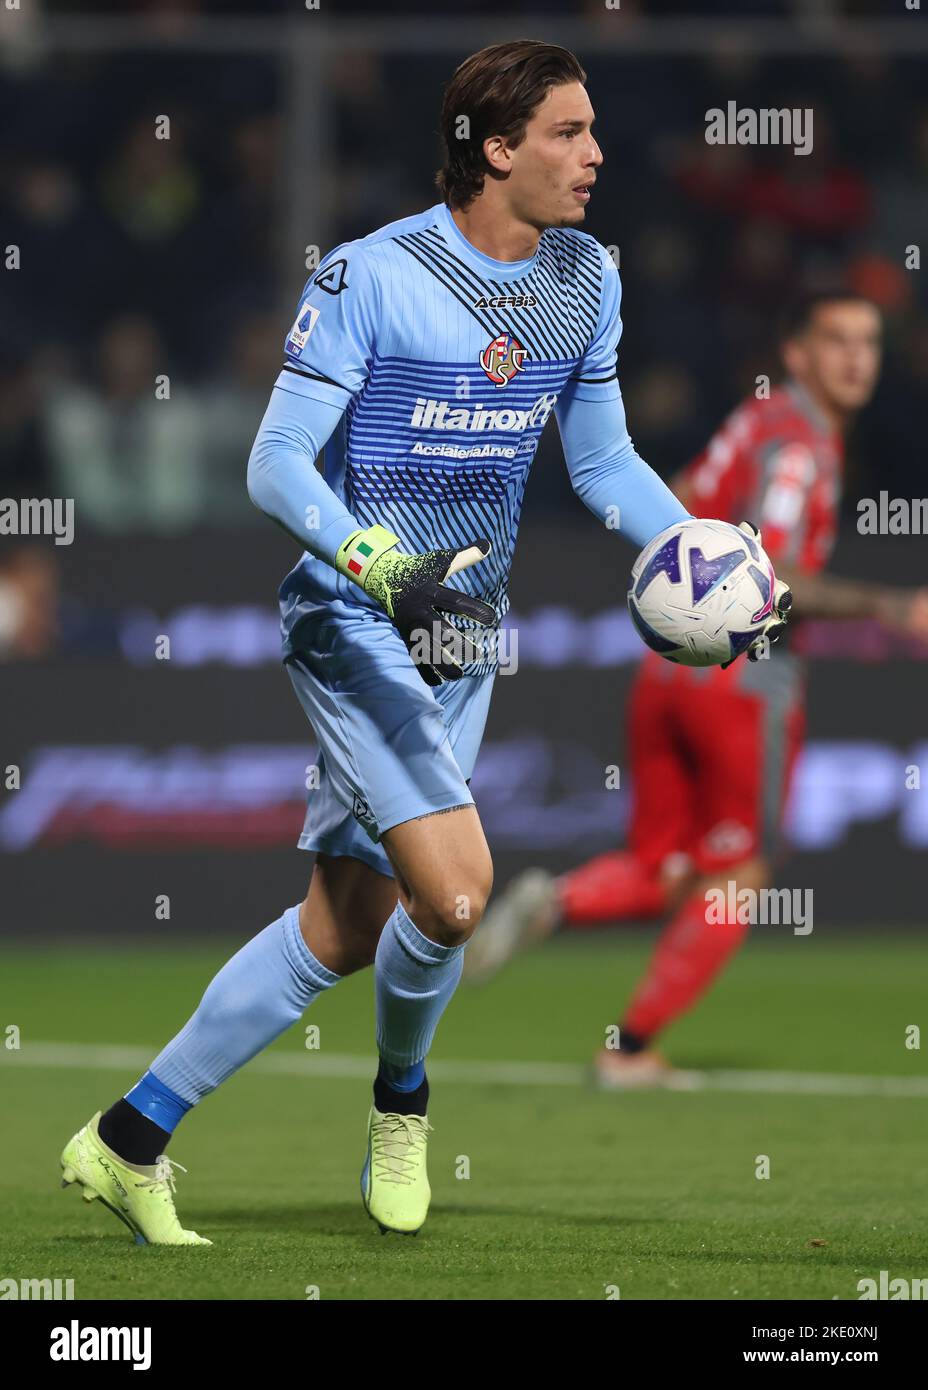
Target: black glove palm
{"points": [[411, 589]]}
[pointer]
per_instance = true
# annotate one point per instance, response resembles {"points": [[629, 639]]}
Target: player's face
{"points": [[553, 170], [839, 354]]}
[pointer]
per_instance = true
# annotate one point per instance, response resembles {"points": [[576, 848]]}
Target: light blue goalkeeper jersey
{"points": [[438, 368]]}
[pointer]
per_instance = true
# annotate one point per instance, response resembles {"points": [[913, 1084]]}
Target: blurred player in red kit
{"points": [[712, 751]]}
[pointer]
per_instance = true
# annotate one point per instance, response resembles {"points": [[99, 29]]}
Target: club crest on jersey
{"points": [[303, 325], [502, 358]]}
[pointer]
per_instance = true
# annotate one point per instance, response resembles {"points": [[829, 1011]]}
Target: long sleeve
{"points": [[328, 354], [607, 474], [283, 480], [605, 471]]}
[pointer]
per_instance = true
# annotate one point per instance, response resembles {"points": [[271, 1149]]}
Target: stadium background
{"points": [[185, 256]]}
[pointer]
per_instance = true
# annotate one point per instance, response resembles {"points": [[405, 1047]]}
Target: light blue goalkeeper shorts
{"points": [[391, 748]]}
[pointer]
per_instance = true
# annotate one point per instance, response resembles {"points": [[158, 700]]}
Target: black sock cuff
{"points": [[132, 1135], [389, 1101]]}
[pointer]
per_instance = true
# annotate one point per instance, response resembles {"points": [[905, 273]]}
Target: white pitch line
{"points": [[310, 1064]]}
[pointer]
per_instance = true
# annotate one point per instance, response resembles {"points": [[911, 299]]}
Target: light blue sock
{"points": [[256, 996], [413, 979]]}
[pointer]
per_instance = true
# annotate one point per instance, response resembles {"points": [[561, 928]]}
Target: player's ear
{"points": [[497, 154]]}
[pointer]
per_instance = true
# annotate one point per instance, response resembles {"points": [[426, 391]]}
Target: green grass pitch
{"points": [[571, 1193]]}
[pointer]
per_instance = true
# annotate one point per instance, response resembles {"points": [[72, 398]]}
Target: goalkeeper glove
{"points": [[782, 603], [411, 589]]}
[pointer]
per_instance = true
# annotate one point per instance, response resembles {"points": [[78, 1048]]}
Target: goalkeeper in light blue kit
{"points": [[425, 359]]}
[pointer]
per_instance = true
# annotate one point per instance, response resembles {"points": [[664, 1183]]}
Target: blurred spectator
{"points": [[232, 411], [49, 219], [23, 456], [28, 603], [150, 189], [374, 169], [901, 192], [130, 460], [232, 250], [815, 194]]}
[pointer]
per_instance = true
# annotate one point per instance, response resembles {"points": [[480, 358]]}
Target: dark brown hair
{"points": [[498, 89], [800, 312]]}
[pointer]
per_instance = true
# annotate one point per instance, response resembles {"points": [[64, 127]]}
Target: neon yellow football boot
{"points": [[142, 1197], [394, 1181]]}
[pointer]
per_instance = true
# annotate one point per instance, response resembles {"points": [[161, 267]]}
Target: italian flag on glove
{"points": [[412, 591]]}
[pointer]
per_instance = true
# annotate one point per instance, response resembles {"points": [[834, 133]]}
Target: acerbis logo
{"points": [[506, 301], [332, 278], [442, 415], [502, 358]]}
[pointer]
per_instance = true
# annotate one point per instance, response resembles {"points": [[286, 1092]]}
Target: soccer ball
{"points": [[701, 592]]}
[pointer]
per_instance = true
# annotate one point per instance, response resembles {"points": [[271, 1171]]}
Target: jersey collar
{"points": [[810, 409], [488, 268]]}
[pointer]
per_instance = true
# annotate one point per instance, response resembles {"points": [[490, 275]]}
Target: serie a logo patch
{"points": [[303, 325]]}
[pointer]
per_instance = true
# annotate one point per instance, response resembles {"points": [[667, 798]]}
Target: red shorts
{"points": [[711, 757]]}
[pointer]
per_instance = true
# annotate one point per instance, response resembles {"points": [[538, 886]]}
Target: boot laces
{"points": [[164, 1174], [397, 1144]]}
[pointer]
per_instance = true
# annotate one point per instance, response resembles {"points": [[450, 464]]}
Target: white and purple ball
{"points": [[701, 592]]}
